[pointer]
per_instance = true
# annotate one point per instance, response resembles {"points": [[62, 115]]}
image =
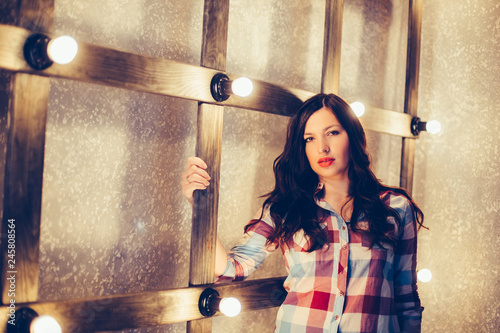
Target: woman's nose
{"points": [[323, 147]]}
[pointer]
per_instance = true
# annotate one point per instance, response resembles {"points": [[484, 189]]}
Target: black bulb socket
{"points": [[35, 51], [22, 319], [418, 126], [219, 87], [209, 302]]}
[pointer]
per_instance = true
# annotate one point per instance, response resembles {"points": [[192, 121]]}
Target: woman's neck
{"points": [[337, 196]]}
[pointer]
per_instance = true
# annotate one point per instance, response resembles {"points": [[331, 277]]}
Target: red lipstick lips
{"points": [[325, 161]]}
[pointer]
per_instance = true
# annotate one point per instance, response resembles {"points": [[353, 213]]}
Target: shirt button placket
{"points": [[341, 276]]}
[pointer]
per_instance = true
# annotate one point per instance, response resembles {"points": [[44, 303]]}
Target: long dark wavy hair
{"points": [[292, 204]]}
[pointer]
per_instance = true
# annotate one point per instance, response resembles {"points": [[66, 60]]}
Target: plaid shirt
{"points": [[345, 286]]}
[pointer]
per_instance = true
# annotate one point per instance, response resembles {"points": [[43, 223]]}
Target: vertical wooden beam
{"points": [[411, 92], [208, 148], [23, 187], [332, 46], [26, 109]]}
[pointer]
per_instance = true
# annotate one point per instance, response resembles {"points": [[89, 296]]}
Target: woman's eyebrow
{"points": [[326, 128]]}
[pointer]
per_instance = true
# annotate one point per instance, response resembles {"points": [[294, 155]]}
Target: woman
{"points": [[349, 242]]}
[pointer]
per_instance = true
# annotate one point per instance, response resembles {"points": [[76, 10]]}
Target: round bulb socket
{"points": [[35, 51]]}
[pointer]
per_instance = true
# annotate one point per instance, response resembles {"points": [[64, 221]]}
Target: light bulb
{"points": [[62, 50], [358, 108], [242, 86], [433, 126], [424, 275], [230, 306], [45, 324]]}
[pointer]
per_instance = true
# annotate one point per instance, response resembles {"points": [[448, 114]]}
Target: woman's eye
{"points": [[309, 139], [334, 133]]}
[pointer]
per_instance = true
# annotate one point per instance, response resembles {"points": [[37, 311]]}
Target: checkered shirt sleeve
{"points": [[251, 251], [406, 297]]}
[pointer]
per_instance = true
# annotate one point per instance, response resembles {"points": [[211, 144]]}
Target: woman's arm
{"points": [[220, 258], [196, 178]]}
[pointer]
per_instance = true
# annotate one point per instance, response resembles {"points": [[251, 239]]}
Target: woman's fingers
{"points": [[195, 165], [189, 189], [194, 177], [195, 161], [196, 174], [197, 178]]}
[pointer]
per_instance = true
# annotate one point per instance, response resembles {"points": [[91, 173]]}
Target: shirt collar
{"points": [[318, 198]]}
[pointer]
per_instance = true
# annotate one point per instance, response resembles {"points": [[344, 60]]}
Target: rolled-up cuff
{"points": [[411, 321], [229, 273]]}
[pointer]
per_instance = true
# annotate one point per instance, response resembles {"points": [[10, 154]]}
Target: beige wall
{"points": [[113, 218], [457, 171]]}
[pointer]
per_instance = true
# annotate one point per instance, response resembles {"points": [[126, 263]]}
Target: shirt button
{"points": [[341, 293], [344, 247], [336, 317], [343, 228]]}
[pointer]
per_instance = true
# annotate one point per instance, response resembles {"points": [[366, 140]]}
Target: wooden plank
{"points": [[101, 65], [332, 46], [388, 122], [23, 186], [214, 41], [413, 57], [205, 208], [407, 164], [36, 15], [152, 308], [22, 190], [208, 148], [5, 78], [98, 65], [411, 90]]}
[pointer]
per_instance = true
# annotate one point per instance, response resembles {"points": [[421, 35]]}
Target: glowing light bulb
{"points": [[358, 108], [230, 306], [45, 324], [433, 126], [242, 86], [62, 50], [424, 275]]}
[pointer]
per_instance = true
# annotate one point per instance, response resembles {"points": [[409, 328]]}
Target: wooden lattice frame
{"points": [[26, 111]]}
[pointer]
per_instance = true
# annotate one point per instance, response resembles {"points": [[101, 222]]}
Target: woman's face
{"points": [[327, 146]]}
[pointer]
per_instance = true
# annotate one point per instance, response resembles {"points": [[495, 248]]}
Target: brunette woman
{"points": [[349, 242]]}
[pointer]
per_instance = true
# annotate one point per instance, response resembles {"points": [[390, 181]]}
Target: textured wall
{"points": [[372, 70], [113, 218], [457, 171]]}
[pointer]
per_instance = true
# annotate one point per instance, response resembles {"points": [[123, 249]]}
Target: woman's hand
{"points": [[194, 177]]}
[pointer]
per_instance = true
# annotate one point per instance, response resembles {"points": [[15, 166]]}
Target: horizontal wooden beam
{"points": [[117, 312], [101, 65], [386, 121]]}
